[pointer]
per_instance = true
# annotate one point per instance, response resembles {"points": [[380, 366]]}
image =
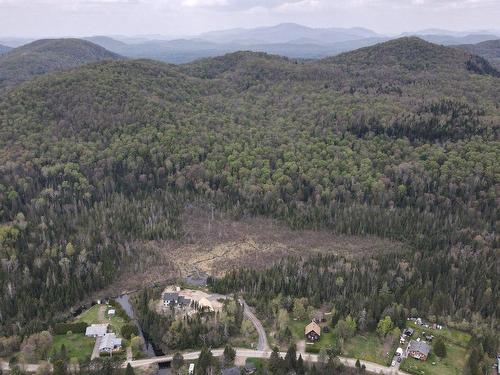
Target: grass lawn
{"points": [[93, 316], [453, 364], [370, 348], [90, 316], [245, 342], [326, 341], [452, 335], [77, 345]]}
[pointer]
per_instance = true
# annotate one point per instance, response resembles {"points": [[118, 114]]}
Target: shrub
{"points": [[64, 328], [128, 330]]}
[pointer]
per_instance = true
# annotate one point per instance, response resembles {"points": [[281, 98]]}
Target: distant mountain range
{"points": [[288, 39], [288, 33]]}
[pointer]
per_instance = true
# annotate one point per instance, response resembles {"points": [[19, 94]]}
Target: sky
{"points": [[177, 18]]}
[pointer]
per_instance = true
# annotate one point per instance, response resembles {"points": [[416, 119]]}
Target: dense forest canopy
{"points": [[398, 140]]}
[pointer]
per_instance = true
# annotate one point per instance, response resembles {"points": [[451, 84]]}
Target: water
{"points": [[124, 302]]}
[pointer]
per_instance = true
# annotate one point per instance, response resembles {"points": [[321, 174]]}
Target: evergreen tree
{"points": [[229, 355], [291, 358], [439, 347], [129, 370], [177, 362], [300, 368], [275, 362]]}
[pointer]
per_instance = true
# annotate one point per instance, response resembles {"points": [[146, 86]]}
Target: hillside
{"points": [[398, 141], [48, 55], [490, 50]]}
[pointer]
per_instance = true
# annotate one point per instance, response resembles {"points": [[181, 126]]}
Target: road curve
{"points": [[262, 345]]}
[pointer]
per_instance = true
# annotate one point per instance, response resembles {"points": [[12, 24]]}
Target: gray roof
{"points": [[231, 371], [419, 346], [170, 296], [184, 300], [109, 342], [96, 330]]}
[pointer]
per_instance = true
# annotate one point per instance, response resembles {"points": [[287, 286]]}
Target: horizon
{"points": [[189, 18], [418, 32]]}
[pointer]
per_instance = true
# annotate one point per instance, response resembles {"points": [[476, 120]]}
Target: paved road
{"points": [[249, 353], [4, 366], [243, 354], [262, 344]]}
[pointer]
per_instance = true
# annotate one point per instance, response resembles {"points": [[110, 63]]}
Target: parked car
{"points": [[399, 359], [393, 363]]}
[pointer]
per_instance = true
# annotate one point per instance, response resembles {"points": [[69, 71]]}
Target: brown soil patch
{"points": [[215, 245]]}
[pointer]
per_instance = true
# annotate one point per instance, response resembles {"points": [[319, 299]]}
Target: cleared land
{"points": [[215, 245], [371, 347]]}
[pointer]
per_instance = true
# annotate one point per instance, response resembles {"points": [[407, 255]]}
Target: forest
{"points": [[398, 140]]}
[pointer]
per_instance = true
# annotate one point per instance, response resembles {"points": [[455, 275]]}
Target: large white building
{"points": [[96, 330]]}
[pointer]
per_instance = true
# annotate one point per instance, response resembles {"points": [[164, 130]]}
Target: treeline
{"points": [[369, 289]]}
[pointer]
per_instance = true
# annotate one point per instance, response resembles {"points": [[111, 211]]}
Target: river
{"points": [[150, 351]]}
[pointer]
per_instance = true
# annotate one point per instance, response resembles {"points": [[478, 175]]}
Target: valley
{"points": [[363, 187]]}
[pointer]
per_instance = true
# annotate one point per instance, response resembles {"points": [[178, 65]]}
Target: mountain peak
{"points": [[49, 55]]}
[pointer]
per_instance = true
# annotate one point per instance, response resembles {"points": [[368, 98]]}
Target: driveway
{"points": [[262, 345], [95, 351]]}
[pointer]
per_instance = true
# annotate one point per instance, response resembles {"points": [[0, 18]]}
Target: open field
{"points": [[370, 348], [215, 246], [76, 344]]}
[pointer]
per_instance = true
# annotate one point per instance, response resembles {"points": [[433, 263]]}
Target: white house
{"points": [[96, 330]]}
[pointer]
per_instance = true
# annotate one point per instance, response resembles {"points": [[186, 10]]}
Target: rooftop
{"points": [[419, 346]]}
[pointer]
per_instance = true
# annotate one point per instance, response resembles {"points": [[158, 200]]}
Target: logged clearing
{"points": [[216, 243]]}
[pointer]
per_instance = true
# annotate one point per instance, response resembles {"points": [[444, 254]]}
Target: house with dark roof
{"points": [[170, 299], [312, 332], [418, 350], [183, 301]]}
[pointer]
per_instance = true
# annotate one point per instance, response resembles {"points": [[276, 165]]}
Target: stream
{"points": [[149, 350]]}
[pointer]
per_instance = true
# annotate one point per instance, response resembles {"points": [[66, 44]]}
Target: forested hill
{"points": [[96, 159], [48, 55], [489, 49]]}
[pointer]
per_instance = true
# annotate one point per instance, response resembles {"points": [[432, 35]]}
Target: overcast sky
{"points": [[44, 18]]}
